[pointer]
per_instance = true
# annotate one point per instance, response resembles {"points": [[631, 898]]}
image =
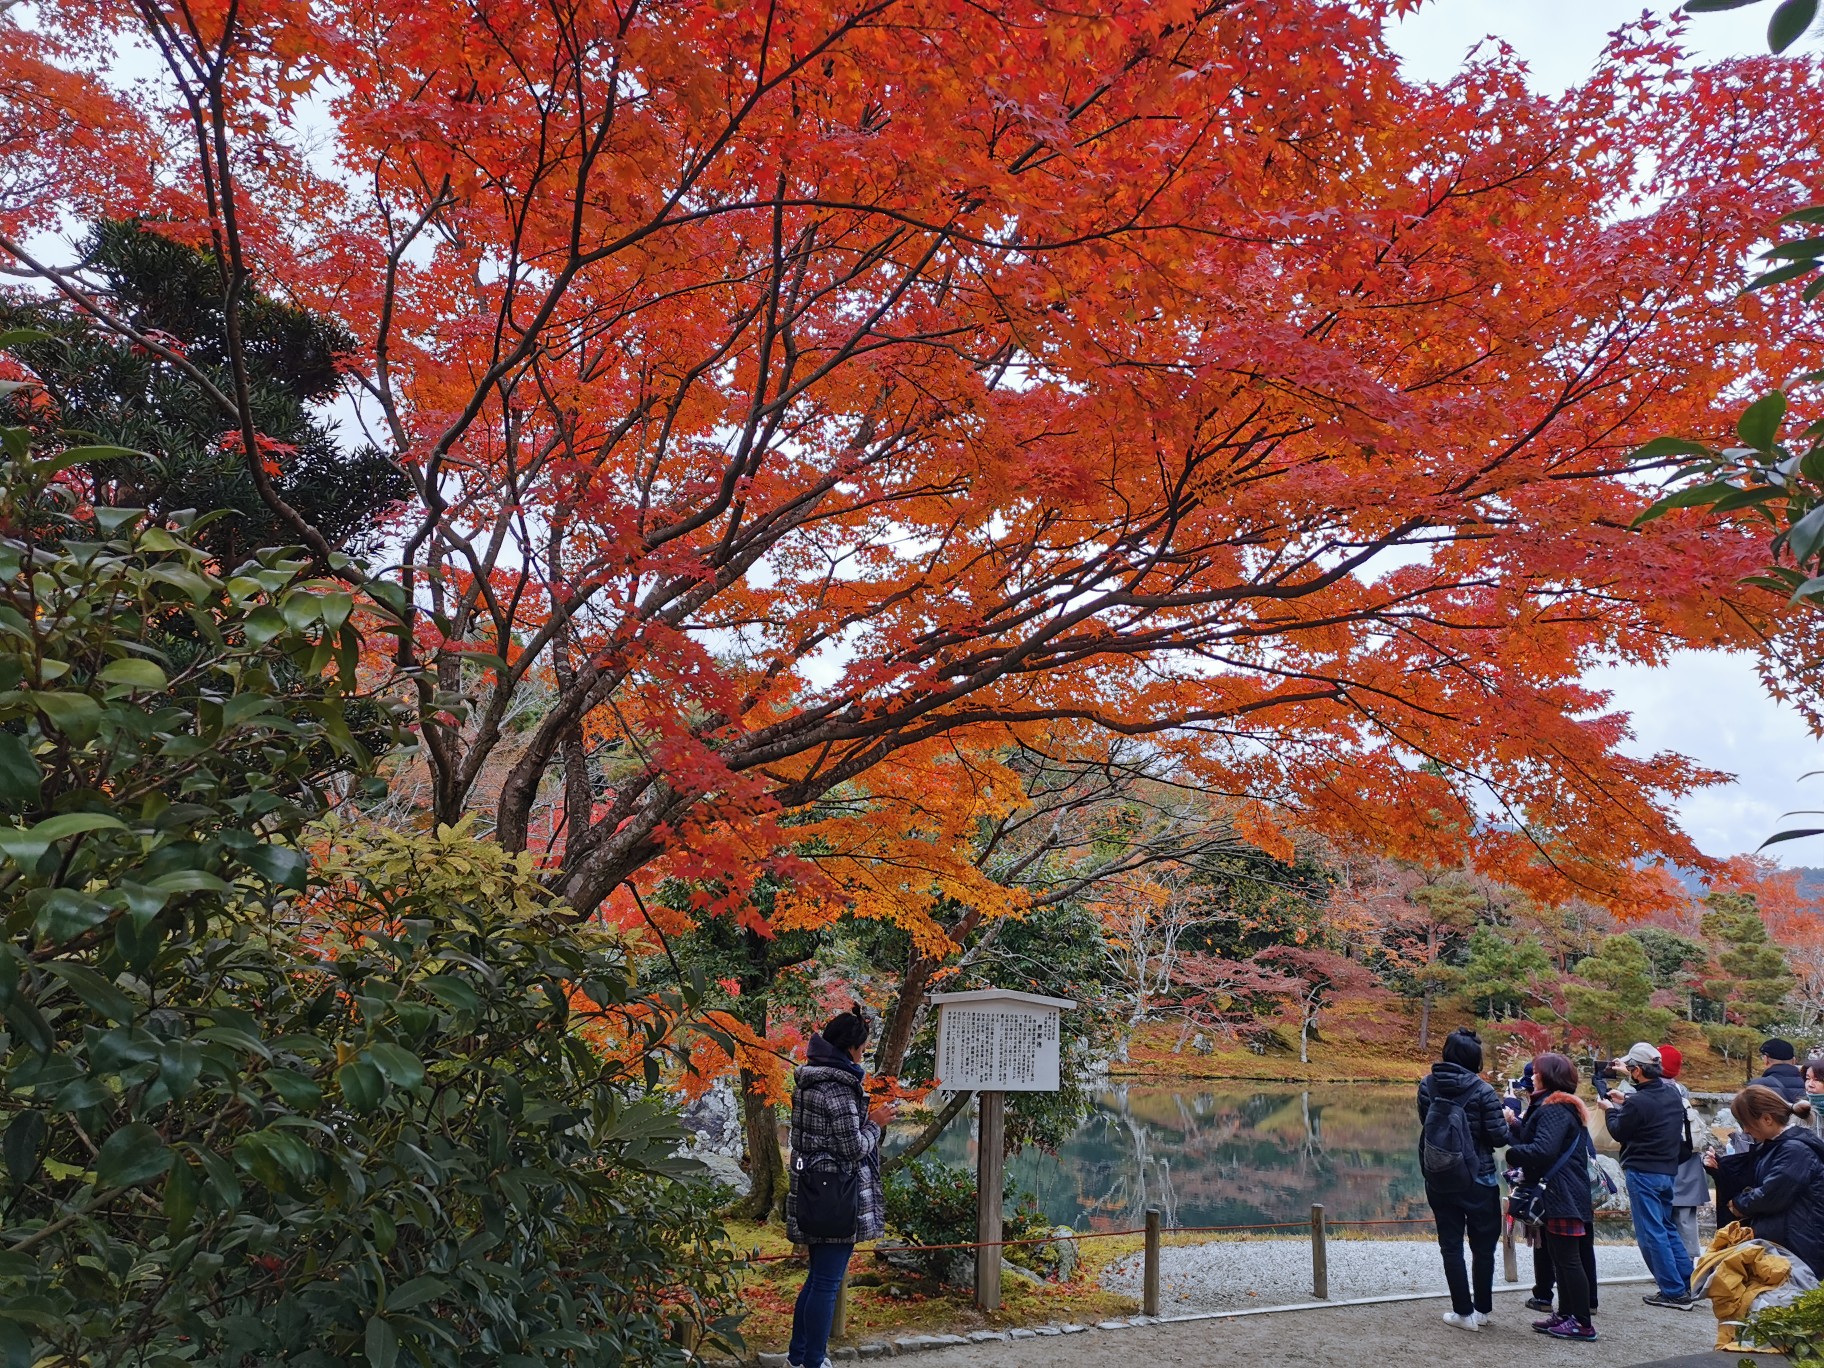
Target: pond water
{"points": [[1226, 1154]]}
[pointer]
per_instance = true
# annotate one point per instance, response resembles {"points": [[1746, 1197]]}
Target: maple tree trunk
{"points": [[765, 1161], [1425, 1021], [896, 1038]]}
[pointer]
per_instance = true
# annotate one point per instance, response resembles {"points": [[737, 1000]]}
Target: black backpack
{"points": [[1447, 1148], [829, 1199]]}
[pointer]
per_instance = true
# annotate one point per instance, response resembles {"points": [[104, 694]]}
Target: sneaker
{"points": [[1677, 1302], [1461, 1322], [1544, 1327], [1482, 1318], [1573, 1330], [1538, 1304]]}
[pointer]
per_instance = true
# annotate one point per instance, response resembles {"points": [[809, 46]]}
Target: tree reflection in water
{"points": [[1234, 1155]]}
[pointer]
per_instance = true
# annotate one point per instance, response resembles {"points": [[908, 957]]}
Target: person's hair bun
{"points": [[1802, 1110]]}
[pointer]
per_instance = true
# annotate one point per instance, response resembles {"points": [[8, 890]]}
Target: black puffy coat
{"points": [[1480, 1103], [1785, 1079], [1546, 1131], [1785, 1204], [1651, 1128]]}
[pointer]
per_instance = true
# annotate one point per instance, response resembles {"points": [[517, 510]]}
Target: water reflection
{"points": [[1241, 1155]]}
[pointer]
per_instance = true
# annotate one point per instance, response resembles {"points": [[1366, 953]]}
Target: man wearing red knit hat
{"points": [[1690, 1185]]}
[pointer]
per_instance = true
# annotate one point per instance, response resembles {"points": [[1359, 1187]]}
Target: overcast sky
{"points": [[1706, 705]]}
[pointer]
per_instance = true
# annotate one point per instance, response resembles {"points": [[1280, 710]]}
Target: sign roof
{"points": [[992, 995]]}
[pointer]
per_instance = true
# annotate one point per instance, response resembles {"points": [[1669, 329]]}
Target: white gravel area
{"points": [[1226, 1275]]}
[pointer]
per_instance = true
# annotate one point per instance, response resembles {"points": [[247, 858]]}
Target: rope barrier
{"points": [[1100, 1235]]}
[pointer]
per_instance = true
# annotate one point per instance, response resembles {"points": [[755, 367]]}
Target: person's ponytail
{"points": [[1757, 1102]]}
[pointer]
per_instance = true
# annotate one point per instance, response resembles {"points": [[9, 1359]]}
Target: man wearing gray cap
{"points": [[1650, 1124]]}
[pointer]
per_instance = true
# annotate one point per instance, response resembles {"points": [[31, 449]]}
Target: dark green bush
{"points": [[932, 1203], [281, 1093]]}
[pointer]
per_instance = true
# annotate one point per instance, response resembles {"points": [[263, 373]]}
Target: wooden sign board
{"points": [[996, 1040]]}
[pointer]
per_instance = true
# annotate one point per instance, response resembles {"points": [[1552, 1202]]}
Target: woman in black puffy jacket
{"points": [[1784, 1197], [1554, 1126]]}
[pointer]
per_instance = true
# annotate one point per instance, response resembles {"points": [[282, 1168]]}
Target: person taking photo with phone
{"points": [[834, 1199], [1649, 1123]]}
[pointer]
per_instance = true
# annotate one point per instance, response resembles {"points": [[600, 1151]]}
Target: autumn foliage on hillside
{"points": [[791, 393]]}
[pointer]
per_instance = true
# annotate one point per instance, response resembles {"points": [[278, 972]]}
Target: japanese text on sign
{"points": [[1001, 1047]]}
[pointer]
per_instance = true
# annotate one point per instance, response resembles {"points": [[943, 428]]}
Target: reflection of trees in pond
{"points": [[1235, 1158]]}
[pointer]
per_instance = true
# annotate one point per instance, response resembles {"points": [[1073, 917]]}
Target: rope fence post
{"points": [[839, 1323], [1149, 1284], [1510, 1257], [1320, 1256]]}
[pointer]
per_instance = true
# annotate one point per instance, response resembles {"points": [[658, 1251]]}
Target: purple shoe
{"points": [[1568, 1329], [1550, 1323]]}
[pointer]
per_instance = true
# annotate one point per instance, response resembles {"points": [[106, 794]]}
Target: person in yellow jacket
{"points": [[1735, 1270]]}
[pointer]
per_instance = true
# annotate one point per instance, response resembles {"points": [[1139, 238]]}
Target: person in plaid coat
{"points": [[832, 1127]]}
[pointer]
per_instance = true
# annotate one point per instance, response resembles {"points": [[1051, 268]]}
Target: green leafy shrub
{"points": [[386, 1105], [932, 1203], [1797, 1331]]}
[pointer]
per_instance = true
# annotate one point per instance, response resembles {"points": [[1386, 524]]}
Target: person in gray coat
{"points": [[1691, 1184]]}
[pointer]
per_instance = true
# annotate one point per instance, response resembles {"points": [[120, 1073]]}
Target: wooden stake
{"points": [[1149, 1287], [1510, 1258], [839, 1323], [1320, 1256], [989, 1174]]}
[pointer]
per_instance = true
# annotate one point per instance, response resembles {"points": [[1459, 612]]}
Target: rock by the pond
{"points": [[727, 1171], [714, 1120], [1066, 1251], [899, 1257]]}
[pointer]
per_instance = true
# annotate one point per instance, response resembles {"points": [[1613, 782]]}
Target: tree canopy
{"points": [[784, 389]]}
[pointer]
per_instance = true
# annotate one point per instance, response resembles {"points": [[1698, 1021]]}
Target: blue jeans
{"points": [[1656, 1231], [816, 1306]]}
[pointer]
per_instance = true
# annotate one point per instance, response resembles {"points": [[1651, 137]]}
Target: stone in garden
{"points": [[1012, 1271], [1066, 1247]]}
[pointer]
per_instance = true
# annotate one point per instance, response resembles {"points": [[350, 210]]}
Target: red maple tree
{"points": [[786, 387]]}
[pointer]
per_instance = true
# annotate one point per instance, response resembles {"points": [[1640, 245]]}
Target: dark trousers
{"points": [[816, 1305], [1477, 1214], [1544, 1279], [1573, 1259]]}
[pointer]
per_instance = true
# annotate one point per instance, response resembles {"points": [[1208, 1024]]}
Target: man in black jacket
{"points": [[1779, 1072], [1475, 1209], [1650, 1124]]}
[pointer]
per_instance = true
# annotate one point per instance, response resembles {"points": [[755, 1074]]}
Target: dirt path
{"points": [[1387, 1335]]}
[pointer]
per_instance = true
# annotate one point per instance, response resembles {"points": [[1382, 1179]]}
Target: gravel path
{"points": [[1387, 1335], [1234, 1275]]}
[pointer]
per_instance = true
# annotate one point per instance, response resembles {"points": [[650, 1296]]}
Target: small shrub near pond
{"points": [[931, 1203]]}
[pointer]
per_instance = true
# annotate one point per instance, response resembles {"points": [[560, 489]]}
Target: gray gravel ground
{"points": [[1387, 1335], [1235, 1275]]}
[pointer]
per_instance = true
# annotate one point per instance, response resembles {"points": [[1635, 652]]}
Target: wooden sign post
{"points": [[993, 1042]]}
